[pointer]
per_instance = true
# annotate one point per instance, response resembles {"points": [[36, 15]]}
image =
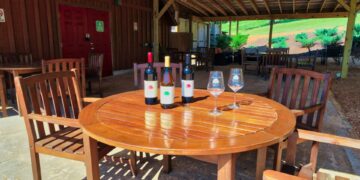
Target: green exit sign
{"points": [[100, 26]]}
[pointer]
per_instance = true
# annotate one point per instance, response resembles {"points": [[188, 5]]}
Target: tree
{"points": [[305, 41], [223, 41], [329, 37], [356, 35], [279, 42], [238, 41]]}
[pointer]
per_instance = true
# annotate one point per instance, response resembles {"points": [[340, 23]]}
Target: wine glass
{"points": [[235, 82], [216, 87]]}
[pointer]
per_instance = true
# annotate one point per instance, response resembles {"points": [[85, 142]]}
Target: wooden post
{"points": [[270, 32], [156, 30], [237, 27], [348, 39], [230, 28]]}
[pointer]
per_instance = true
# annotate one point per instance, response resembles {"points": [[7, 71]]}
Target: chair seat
{"points": [[68, 140]]}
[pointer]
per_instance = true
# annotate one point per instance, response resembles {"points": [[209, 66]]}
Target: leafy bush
{"points": [[279, 42], [238, 41], [223, 41], [356, 35], [305, 41], [329, 36]]}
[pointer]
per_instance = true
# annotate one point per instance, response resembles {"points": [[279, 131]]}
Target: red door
{"points": [[83, 31]]}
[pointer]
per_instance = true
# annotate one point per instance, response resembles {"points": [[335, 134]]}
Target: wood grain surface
{"points": [[123, 120]]}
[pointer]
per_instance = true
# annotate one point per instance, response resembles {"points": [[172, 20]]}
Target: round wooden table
{"points": [[124, 121]]}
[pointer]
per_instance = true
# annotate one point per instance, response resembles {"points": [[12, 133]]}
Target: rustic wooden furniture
{"points": [[307, 62], [3, 99], [206, 58], [278, 51], [307, 171], [94, 70], [51, 121], [16, 58], [303, 91], [57, 65], [247, 61], [271, 60], [188, 130], [175, 67]]}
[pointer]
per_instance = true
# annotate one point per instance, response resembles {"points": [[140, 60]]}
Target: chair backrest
{"points": [[276, 59], [16, 58], [58, 65], [278, 51], [51, 94], [175, 67], [298, 89], [95, 64]]}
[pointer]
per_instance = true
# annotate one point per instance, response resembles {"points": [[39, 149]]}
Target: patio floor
{"points": [[15, 158]]}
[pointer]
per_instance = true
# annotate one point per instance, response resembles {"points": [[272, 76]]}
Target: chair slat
{"points": [[294, 94], [63, 96], [285, 96], [278, 86], [46, 103], [36, 109]]}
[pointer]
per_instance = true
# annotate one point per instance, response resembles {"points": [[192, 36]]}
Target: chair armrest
{"points": [[275, 175], [308, 110], [329, 138], [55, 120]]}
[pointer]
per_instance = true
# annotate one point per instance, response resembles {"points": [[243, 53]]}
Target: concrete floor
{"points": [[15, 159]]}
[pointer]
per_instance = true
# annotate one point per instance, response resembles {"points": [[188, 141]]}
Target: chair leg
{"points": [[278, 155], [3, 100], [35, 164], [132, 163]]}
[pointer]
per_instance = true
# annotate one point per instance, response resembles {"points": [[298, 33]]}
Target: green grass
{"points": [[261, 27]]}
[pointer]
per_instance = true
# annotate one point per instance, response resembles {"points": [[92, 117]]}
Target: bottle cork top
{"points": [[167, 61]]}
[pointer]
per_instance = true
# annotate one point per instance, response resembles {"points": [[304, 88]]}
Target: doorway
{"points": [[85, 30]]}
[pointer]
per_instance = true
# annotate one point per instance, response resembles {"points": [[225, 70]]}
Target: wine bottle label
{"points": [[167, 94], [150, 89], [187, 87]]}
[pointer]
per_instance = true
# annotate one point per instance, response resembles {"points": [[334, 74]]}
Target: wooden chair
{"points": [[94, 70], [303, 91], [58, 65], [278, 51], [51, 121], [307, 62], [3, 99], [206, 58], [307, 171], [247, 62], [16, 58], [176, 69], [269, 61]]}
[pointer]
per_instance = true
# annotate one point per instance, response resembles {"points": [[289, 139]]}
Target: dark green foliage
{"points": [[329, 36], [356, 35], [279, 42], [305, 41], [238, 41], [223, 41]]}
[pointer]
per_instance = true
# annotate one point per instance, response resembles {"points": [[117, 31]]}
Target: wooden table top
{"points": [[124, 121], [36, 67]]}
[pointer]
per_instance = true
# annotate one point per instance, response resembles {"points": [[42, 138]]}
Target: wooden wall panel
{"points": [[32, 27]]}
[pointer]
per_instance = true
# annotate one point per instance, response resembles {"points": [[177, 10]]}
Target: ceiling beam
{"points": [[203, 6], [323, 5], [194, 8], [336, 7], [278, 16], [342, 2], [254, 6], [280, 8], [266, 3], [308, 6], [294, 4], [242, 7], [230, 6], [358, 7], [165, 8], [217, 7]]}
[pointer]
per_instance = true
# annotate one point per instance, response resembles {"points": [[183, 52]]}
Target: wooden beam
{"points": [[203, 6], [266, 3], [230, 6], [165, 8], [308, 6], [254, 6], [156, 30], [242, 7], [280, 8], [217, 7], [348, 39], [336, 7], [294, 4], [195, 9], [358, 7], [270, 33], [230, 28], [342, 2], [278, 16], [323, 5], [237, 27]]}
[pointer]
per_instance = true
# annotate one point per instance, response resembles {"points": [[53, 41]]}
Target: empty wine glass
{"points": [[216, 87], [235, 82]]}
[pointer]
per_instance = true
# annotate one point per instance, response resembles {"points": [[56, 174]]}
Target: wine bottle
{"points": [[167, 88], [187, 81], [150, 82]]}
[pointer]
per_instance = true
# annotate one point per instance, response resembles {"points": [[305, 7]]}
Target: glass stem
{"points": [[234, 98], [215, 103]]}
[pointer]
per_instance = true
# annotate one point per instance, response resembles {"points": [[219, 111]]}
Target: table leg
{"points": [[260, 162], [226, 166], [15, 74], [166, 163], [91, 158]]}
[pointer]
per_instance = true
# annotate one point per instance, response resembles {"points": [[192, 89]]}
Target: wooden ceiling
{"points": [[224, 10]]}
